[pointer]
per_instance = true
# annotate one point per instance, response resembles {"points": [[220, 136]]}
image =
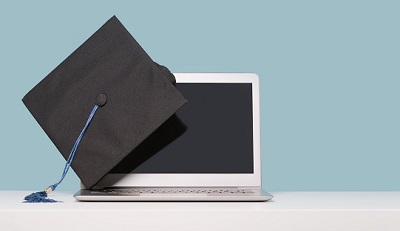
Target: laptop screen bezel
{"points": [[202, 180]]}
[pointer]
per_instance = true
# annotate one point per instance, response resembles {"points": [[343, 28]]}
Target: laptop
{"points": [[209, 150]]}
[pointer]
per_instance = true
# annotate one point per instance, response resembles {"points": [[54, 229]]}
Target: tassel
{"points": [[41, 197]]}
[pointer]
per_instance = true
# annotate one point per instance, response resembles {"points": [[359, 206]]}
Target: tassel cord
{"points": [[42, 195]]}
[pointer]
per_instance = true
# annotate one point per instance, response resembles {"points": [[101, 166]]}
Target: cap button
{"points": [[101, 99]]}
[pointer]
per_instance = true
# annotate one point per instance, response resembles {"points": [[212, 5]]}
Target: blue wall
{"points": [[330, 79]]}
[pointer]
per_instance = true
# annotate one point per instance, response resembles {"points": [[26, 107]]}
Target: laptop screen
{"points": [[212, 133]]}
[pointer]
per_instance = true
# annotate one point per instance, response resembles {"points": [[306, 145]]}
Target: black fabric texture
{"points": [[166, 73], [140, 97]]}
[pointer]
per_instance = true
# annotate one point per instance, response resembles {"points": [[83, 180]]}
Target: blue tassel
{"points": [[41, 197], [38, 197]]}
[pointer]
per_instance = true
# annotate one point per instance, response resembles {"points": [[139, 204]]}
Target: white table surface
{"points": [[287, 211]]}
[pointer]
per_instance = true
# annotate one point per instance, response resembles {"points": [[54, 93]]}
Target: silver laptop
{"points": [[208, 151]]}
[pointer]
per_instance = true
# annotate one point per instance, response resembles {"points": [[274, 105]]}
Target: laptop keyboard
{"points": [[172, 191]]}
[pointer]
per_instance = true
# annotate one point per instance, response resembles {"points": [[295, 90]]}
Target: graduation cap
{"points": [[101, 102]]}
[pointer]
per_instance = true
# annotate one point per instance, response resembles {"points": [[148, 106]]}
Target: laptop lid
{"points": [[213, 141]]}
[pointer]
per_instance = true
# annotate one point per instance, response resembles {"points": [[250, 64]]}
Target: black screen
{"points": [[212, 133]]}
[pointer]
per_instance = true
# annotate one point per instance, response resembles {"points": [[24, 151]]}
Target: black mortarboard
{"points": [[110, 69]]}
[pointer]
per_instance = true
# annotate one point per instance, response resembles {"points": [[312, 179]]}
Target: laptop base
{"points": [[173, 194]]}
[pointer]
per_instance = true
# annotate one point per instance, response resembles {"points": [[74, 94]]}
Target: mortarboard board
{"points": [[135, 95]]}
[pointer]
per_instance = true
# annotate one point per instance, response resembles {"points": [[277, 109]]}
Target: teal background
{"points": [[329, 71]]}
